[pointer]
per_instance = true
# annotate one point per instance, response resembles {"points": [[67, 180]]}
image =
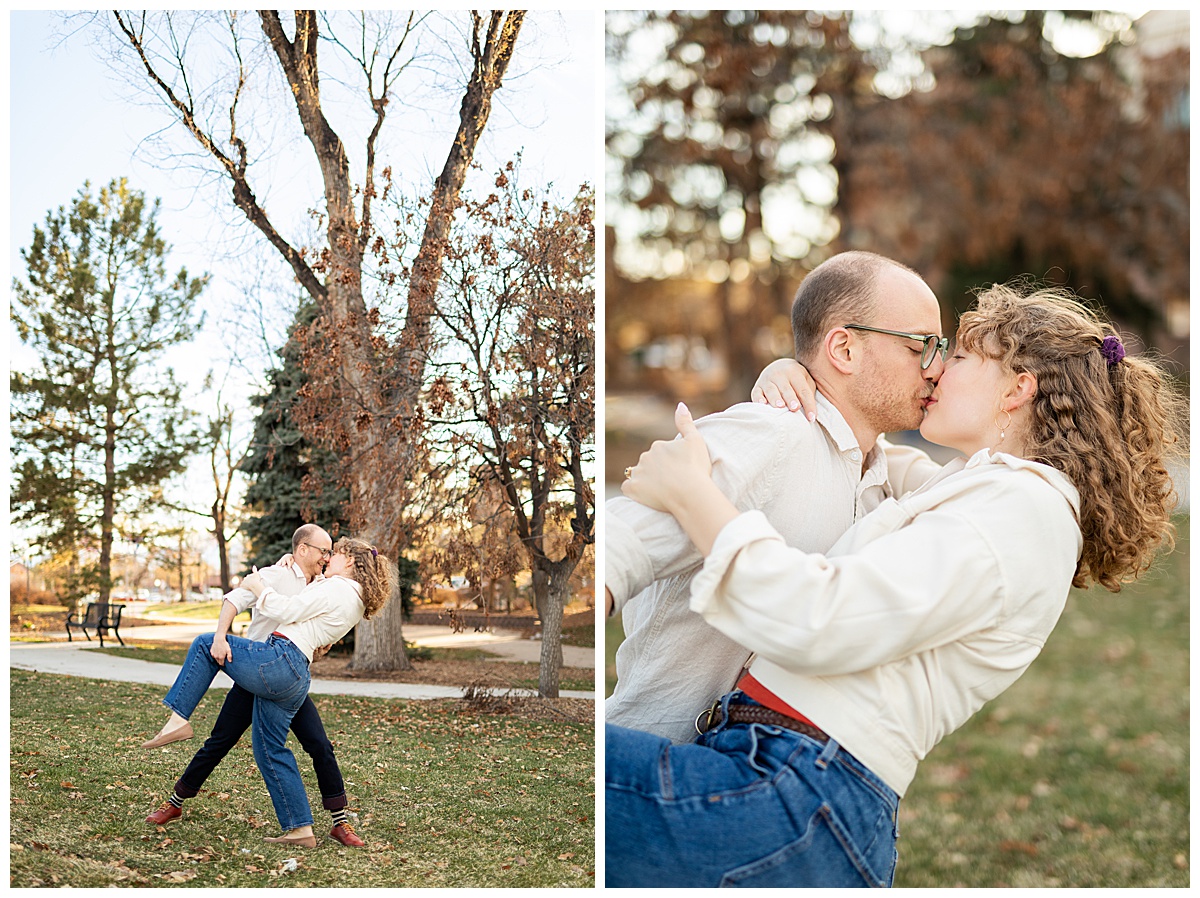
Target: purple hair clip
{"points": [[375, 552], [1112, 349]]}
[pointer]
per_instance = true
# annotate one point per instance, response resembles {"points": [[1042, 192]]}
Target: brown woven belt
{"points": [[755, 714]]}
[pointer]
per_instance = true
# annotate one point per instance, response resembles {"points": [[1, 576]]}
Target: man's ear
{"points": [[841, 350], [1021, 393]]}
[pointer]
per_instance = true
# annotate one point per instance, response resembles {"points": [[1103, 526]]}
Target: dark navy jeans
{"points": [[233, 721], [746, 805]]}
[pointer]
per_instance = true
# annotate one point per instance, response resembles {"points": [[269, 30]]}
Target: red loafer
{"points": [[165, 814], [345, 834]]}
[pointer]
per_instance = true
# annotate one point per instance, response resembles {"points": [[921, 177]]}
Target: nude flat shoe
{"points": [[302, 841], [176, 735]]}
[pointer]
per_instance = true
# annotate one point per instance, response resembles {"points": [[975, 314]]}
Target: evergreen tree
{"points": [[293, 481], [98, 424]]}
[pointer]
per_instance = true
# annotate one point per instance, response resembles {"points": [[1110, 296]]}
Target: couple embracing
{"points": [[810, 610], [299, 607]]}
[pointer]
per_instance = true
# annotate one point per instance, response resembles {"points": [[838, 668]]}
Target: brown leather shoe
{"points": [[176, 735], [165, 814], [345, 834], [302, 841]]}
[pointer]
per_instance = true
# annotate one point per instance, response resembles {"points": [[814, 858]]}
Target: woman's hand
{"points": [[670, 470], [286, 560], [220, 650], [785, 382], [676, 477], [254, 583]]}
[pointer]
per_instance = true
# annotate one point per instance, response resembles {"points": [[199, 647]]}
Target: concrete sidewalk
{"points": [[63, 657]]}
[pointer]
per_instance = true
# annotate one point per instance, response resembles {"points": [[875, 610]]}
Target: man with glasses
{"points": [[312, 547], [812, 479]]}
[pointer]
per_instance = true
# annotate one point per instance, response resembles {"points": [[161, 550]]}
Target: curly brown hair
{"points": [[372, 571], [1110, 428]]}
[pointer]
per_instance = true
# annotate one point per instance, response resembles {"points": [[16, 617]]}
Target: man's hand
{"points": [[321, 651], [220, 651], [785, 382]]}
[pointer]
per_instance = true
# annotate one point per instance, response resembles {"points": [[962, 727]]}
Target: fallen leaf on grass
{"points": [[1017, 847], [179, 876]]}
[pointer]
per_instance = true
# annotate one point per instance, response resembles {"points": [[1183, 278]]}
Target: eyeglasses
{"points": [[933, 344], [326, 554]]}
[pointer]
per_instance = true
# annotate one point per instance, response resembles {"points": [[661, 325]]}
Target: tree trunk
{"points": [[218, 516], [556, 582], [108, 511], [379, 642]]}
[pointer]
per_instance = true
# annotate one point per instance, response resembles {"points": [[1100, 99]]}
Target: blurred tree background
{"points": [[745, 147]]}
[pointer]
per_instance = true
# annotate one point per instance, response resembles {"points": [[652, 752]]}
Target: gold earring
{"points": [[1007, 424]]}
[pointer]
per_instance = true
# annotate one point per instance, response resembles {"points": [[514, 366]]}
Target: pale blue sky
{"points": [[71, 119]]}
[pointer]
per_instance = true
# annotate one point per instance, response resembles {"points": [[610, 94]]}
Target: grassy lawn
{"points": [[445, 797], [520, 675], [209, 610], [1078, 775]]}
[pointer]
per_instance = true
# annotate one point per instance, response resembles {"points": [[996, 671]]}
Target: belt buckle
{"points": [[708, 714]]}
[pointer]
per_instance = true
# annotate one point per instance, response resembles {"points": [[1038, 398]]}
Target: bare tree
{"points": [[517, 388], [379, 381]]}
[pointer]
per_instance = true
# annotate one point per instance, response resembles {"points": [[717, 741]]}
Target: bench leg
{"points": [[117, 633]]}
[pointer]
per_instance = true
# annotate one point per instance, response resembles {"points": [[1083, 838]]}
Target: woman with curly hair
{"points": [[358, 582], [930, 606]]}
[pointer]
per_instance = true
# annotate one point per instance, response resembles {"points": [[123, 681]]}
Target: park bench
{"points": [[94, 620]]}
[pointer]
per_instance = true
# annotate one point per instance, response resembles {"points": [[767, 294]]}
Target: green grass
{"points": [[1078, 775], [445, 796], [613, 634], [209, 610]]}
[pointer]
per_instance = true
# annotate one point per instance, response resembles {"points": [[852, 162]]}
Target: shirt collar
{"points": [[1050, 474], [357, 586], [843, 437], [835, 425]]}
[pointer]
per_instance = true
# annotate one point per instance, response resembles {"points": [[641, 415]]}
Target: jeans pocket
{"points": [[279, 676], [823, 856]]}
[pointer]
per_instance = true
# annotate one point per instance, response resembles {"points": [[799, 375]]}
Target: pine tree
{"points": [[98, 424], [293, 481]]}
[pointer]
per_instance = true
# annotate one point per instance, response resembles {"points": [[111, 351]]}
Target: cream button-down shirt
{"points": [[287, 581], [807, 478]]}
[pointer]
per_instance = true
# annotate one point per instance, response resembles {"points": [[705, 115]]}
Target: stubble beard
{"points": [[889, 413]]}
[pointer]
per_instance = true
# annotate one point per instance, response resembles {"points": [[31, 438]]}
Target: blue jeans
{"points": [[276, 672], [747, 805]]}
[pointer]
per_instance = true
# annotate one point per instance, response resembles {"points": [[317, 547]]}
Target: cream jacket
{"points": [[923, 611]]}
